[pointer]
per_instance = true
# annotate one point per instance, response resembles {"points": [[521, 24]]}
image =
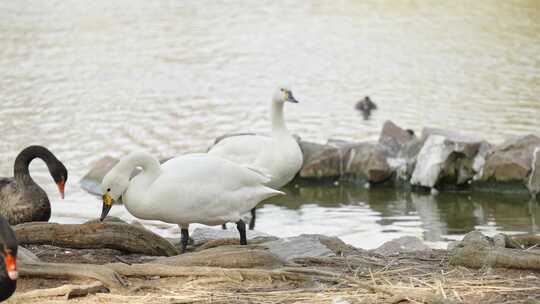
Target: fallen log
{"points": [[225, 257], [112, 235], [522, 240], [478, 255], [69, 291], [104, 274], [238, 274]]}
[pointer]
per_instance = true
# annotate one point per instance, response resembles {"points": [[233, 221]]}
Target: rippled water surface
{"points": [[106, 77]]}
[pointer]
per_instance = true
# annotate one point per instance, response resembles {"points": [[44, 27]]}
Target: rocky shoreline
{"points": [[437, 160]]}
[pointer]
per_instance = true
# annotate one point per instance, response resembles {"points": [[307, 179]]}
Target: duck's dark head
{"points": [[60, 175], [8, 248]]}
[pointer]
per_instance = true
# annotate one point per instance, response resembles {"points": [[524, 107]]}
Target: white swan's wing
{"points": [[244, 149], [206, 189]]}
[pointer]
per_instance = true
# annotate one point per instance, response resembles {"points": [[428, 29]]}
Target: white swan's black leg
{"points": [[252, 220], [224, 226], [241, 226], [184, 239]]}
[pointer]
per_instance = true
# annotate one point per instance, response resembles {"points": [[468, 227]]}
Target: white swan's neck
{"points": [[151, 170], [278, 121]]}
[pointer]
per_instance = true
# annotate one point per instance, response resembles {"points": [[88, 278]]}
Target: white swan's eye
{"points": [[282, 90], [108, 189]]}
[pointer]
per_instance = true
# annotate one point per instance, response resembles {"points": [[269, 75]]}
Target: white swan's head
{"points": [[112, 186], [284, 94]]}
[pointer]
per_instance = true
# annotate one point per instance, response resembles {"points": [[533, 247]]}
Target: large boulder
{"points": [[338, 159], [394, 137], [511, 161], [448, 159]]}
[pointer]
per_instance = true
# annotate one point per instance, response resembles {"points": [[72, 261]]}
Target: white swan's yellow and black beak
{"points": [[107, 204], [289, 97]]}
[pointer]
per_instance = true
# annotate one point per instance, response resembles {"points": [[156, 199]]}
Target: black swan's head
{"points": [[59, 174]]}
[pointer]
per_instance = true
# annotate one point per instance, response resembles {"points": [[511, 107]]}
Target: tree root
{"points": [[69, 291], [108, 277], [120, 236]]}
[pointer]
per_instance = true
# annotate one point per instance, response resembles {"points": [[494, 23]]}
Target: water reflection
{"points": [[365, 217]]}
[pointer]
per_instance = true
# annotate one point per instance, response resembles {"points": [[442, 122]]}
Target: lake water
{"points": [[107, 77]]}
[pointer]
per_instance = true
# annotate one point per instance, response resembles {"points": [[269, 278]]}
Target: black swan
{"points": [[21, 199], [8, 260]]}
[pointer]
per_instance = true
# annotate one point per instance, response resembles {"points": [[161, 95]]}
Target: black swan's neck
{"points": [[24, 158]]}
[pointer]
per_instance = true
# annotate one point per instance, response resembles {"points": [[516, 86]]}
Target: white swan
{"points": [[278, 155], [193, 188]]}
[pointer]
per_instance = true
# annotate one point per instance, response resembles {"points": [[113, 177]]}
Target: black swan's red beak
{"points": [[61, 186], [11, 266]]}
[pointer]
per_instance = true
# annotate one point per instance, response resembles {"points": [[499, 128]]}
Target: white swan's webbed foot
{"points": [[241, 226], [184, 239]]}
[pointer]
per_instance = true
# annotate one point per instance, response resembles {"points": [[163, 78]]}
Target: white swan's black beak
{"points": [[107, 204], [290, 98]]}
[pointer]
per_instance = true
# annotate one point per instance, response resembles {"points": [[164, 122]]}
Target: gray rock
{"points": [[534, 178], [363, 161], [448, 158], [499, 240], [91, 182], [477, 237], [204, 234], [400, 245], [511, 161], [452, 245], [306, 245], [25, 256], [394, 137]]}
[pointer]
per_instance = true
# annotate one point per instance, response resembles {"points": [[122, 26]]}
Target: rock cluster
{"points": [[438, 159]]}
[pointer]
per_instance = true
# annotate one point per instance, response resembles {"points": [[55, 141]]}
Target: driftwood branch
{"points": [[120, 236], [225, 257], [69, 291], [107, 276], [151, 269], [479, 251]]}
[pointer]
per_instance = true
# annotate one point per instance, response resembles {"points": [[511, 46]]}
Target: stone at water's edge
{"points": [[511, 161], [400, 245], [305, 245], [363, 161], [394, 137], [448, 158], [91, 182], [534, 178]]}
